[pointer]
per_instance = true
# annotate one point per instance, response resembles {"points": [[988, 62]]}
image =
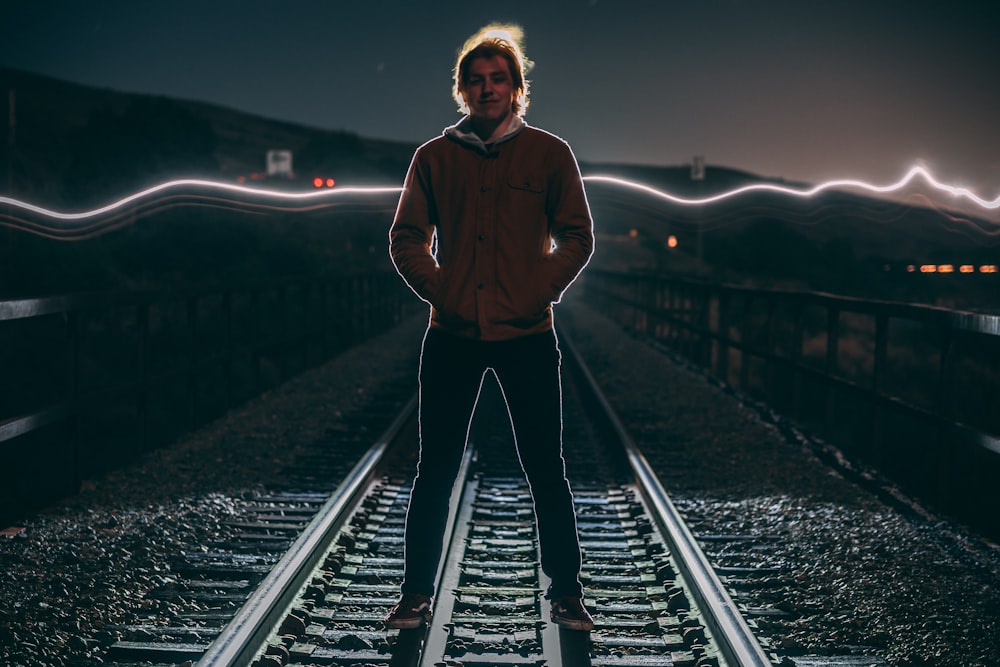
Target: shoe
{"points": [[569, 612], [412, 611]]}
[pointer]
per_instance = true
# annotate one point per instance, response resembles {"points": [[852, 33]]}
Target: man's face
{"points": [[489, 88]]}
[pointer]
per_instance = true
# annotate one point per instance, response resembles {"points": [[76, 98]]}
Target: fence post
{"points": [[691, 347], [945, 461], [227, 369], [771, 353], [878, 374], [324, 319], [281, 349], [722, 339], [674, 306], [340, 317], [636, 298], [656, 304], [73, 392], [745, 354], [142, 375], [192, 370], [832, 353], [798, 332], [708, 306], [255, 338]]}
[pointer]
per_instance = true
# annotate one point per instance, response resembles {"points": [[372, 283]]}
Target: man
{"points": [[492, 226]]}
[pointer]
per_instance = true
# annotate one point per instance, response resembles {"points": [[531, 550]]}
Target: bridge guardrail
{"points": [[909, 389], [92, 380]]}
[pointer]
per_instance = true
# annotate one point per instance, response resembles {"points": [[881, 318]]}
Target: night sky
{"points": [[800, 89]]}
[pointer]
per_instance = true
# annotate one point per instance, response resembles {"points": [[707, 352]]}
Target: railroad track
{"points": [[309, 580]]}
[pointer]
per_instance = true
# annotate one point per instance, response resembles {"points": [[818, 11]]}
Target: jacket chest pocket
{"points": [[527, 183]]}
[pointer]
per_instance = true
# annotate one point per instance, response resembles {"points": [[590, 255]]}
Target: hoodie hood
{"points": [[463, 134]]}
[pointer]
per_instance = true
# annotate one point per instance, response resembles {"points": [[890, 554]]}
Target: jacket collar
{"points": [[463, 134]]}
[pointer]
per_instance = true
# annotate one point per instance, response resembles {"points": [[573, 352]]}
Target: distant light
{"points": [[967, 268], [241, 179], [317, 182], [946, 268], [330, 182], [928, 268], [911, 268], [671, 241], [988, 268], [634, 233]]}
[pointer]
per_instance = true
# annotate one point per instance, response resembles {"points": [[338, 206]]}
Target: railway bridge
{"points": [[761, 477]]}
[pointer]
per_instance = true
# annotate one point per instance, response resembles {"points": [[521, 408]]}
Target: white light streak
{"points": [[202, 192], [912, 174], [196, 184]]}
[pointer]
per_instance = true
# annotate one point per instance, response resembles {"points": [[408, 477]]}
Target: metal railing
{"points": [[911, 390], [90, 381]]}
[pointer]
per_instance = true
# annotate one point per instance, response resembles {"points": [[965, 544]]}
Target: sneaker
{"points": [[569, 612], [412, 611]]}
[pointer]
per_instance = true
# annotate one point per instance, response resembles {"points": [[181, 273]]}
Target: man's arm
{"points": [[412, 234], [570, 223]]}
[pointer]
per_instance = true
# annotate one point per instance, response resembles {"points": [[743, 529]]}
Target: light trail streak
{"points": [[910, 176], [202, 192], [195, 183], [80, 230]]}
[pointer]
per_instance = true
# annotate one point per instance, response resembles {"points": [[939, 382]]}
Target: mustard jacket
{"points": [[491, 237]]}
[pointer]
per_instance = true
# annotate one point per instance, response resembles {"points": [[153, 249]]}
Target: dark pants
{"points": [[451, 372]]}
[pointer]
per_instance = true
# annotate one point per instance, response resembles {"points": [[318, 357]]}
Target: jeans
{"points": [[451, 373]]}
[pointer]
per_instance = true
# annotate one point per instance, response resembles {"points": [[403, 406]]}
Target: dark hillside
{"points": [[76, 146]]}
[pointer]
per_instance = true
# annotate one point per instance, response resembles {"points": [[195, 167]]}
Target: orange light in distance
{"points": [[928, 268], [671, 241], [988, 268], [967, 268], [633, 233], [946, 268], [330, 182], [317, 182], [911, 268]]}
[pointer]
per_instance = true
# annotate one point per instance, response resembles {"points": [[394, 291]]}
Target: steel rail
{"points": [[246, 634], [434, 638], [736, 641]]}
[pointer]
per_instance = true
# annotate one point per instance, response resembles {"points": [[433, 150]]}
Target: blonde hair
{"points": [[495, 39]]}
